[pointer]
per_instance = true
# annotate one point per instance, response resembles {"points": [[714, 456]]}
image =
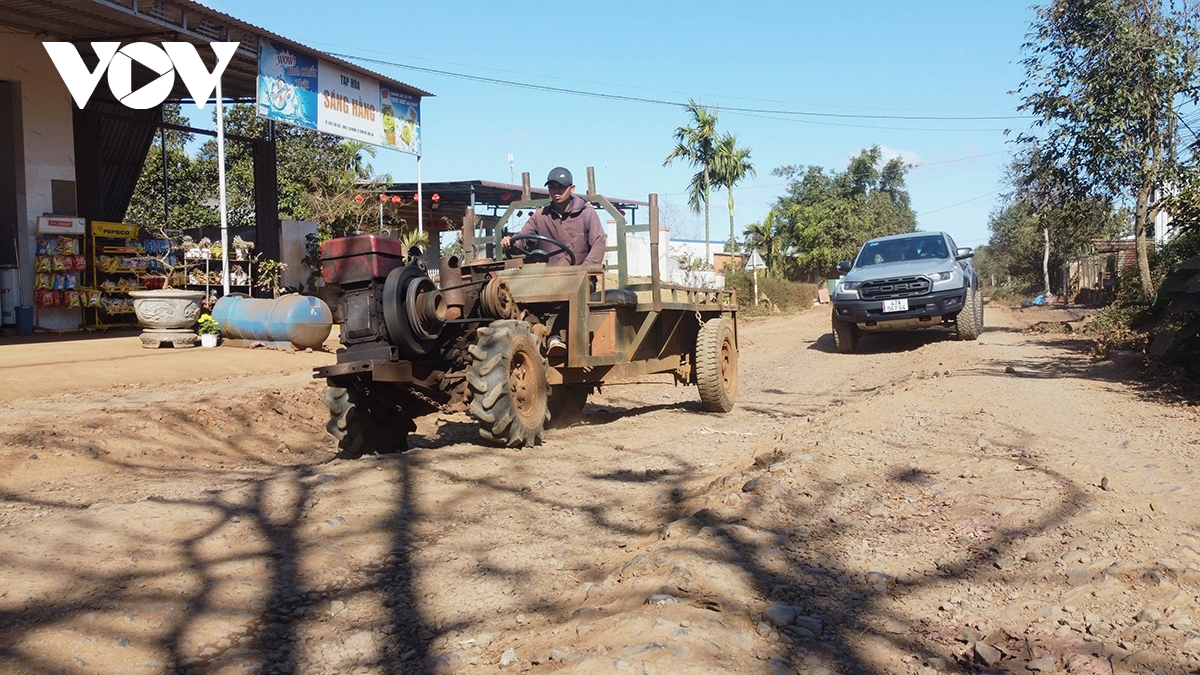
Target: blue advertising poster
{"points": [[401, 115], [287, 86]]}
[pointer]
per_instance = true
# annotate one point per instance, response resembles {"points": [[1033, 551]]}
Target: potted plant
{"points": [[166, 313], [209, 328]]}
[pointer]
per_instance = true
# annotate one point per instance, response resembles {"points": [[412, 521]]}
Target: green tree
{"points": [[826, 217], [769, 240], [149, 207], [697, 145], [1104, 79], [731, 165], [1044, 218]]}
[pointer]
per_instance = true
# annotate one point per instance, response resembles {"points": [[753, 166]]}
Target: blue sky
{"points": [[932, 58]]}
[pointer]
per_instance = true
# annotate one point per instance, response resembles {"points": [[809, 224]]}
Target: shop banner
{"points": [[401, 121], [303, 91], [349, 105], [287, 86]]}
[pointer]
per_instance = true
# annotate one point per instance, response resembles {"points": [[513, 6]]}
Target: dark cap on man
{"points": [[561, 176]]}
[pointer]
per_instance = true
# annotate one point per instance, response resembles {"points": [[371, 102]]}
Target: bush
{"points": [[1113, 328], [783, 295]]}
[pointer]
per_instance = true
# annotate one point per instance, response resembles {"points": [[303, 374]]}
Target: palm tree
{"points": [[696, 145], [731, 166], [766, 239]]}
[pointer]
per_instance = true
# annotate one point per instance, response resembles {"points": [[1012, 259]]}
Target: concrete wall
{"points": [[49, 149]]}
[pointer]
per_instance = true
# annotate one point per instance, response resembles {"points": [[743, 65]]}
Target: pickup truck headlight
{"points": [[943, 276], [848, 285]]}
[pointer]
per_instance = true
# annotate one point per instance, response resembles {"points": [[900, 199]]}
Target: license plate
{"points": [[900, 305]]}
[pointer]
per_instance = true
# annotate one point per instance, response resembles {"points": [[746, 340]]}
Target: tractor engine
{"points": [[405, 340], [389, 310]]}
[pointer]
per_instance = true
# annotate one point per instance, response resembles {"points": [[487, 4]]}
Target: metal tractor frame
{"points": [[411, 348]]}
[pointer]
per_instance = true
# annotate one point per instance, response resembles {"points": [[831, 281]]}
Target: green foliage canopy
{"points": [[827, 216]]}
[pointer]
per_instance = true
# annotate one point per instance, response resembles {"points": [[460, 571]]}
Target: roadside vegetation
{"points": [[1114, 90]]}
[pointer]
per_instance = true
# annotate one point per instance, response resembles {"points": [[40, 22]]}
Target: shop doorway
{"points": [[10, 168]]}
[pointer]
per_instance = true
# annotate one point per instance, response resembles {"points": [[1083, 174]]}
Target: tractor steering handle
{"points": [[562, 248]]}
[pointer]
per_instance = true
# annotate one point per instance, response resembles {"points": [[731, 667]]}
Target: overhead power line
{"points": [[965, 201], [655, 101]]}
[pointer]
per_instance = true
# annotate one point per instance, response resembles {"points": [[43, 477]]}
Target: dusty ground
{"points": [[925, 506]]}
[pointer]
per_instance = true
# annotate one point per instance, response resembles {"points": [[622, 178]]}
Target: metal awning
{"points": [[481, 193], [85, 21]]}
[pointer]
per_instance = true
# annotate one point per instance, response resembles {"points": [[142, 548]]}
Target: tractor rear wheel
{"points": [[507, 383], [363, 425], [566, 404], [716, 365]]}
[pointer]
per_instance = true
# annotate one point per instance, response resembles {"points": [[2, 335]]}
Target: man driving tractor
{"points": [[568, 219]]}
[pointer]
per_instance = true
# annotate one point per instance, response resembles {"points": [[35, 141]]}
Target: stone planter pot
{"points": [[167, 316]]}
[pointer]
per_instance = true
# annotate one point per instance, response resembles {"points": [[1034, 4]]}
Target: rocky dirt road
{"points": [[925, 506]]}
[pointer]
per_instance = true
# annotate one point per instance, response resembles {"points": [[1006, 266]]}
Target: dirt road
{"points": [[927, 505]]}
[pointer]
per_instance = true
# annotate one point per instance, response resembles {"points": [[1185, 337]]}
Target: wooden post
{"points": [[526, 193], [655, 281], [591, 185], [468, 235]]}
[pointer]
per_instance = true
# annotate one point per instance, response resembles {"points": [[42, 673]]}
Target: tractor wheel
{"points": [[845, 336], [967, 324], [566, 404], [508, 384], [716, 365], [362, 425]]}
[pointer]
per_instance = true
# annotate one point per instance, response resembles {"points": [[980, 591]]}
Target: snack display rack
{"points": [[116, 264], [60, 268]]}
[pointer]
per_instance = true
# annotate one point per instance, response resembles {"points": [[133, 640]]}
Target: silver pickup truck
{"points": [[905, 281]]}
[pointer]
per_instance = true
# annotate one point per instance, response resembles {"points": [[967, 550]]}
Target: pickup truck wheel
{"points": [[716, 365], [979, 314], [363, 425], [967, 324], [566, 404], [845, 336], [507, 383]]}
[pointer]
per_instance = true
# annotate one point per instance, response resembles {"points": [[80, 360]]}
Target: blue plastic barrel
{"points": [[302, 320]]}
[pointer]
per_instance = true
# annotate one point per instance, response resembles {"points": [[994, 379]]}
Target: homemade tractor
{"points": [[477, 338]]}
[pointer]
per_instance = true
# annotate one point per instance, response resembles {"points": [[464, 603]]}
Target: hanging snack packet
{"points": [[43, 280], [42, 263]]}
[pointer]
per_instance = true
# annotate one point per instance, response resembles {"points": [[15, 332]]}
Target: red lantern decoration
{"points": [[505, 196], [436, 198], [358, 198], [396, 199], [383, 198]]}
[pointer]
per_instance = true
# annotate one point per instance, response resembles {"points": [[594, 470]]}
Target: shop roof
{"points": [[85, 21], [488, 193]]}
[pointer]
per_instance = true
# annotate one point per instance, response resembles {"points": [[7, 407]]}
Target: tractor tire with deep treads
{"points": [[362, 425], [716, 365], [845, 336], [968, 322], [507, 380]]}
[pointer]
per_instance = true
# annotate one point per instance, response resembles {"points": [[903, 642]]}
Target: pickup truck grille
{"points": [[888, 289]]}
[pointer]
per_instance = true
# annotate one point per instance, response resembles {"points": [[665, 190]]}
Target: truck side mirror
{"points": [[843, 266], [964, 253]]}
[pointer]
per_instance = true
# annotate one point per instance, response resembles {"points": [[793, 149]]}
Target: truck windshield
{"points": [[897, 250]]}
